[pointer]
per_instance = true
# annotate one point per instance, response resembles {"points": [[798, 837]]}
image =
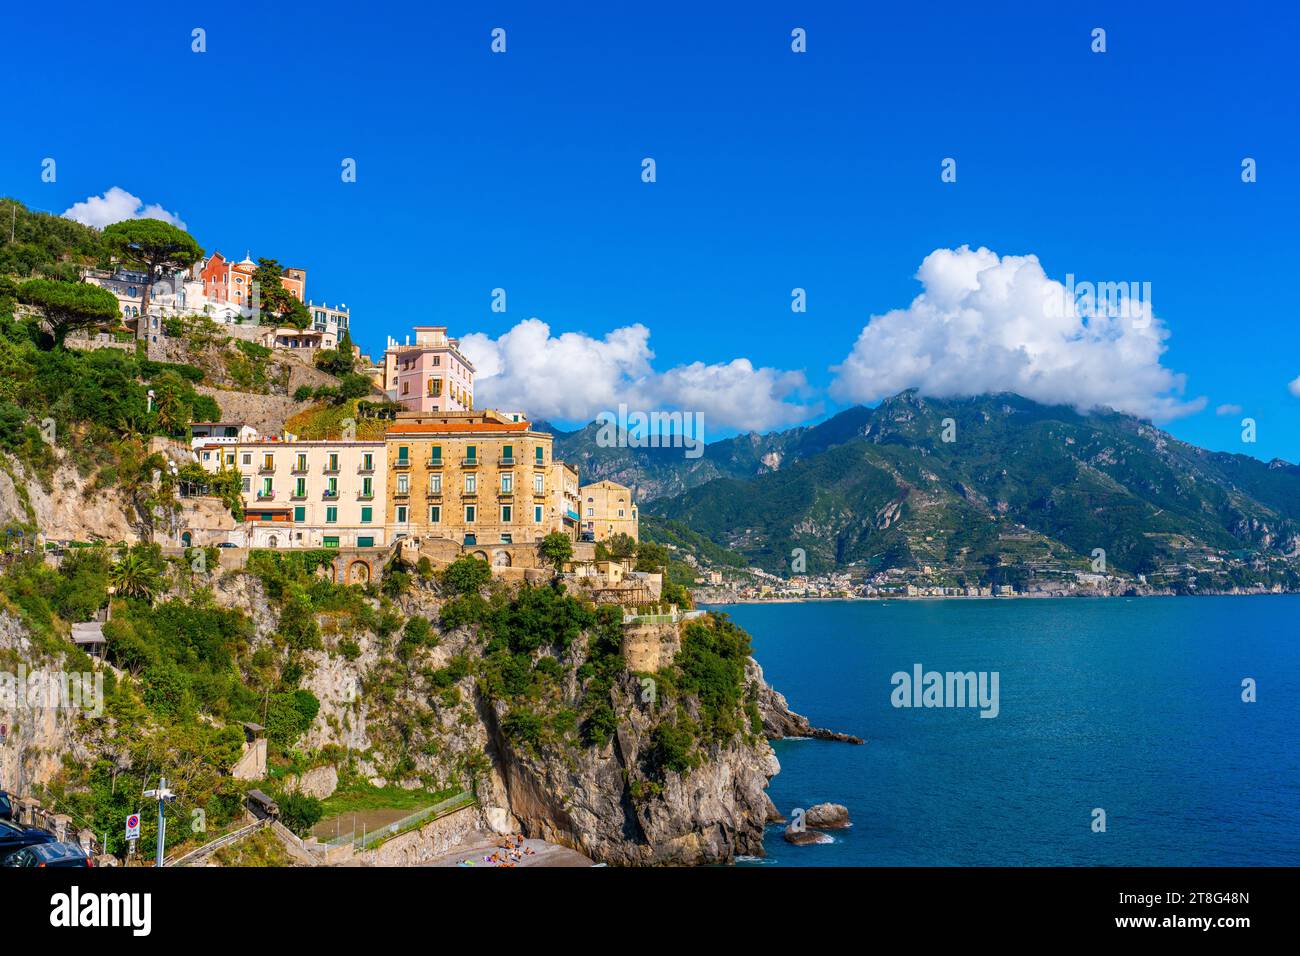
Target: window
{"points": [[508, 453], [330, 541], [507, 483], [367, 462], [505, 514], [366, 515], [471, 484], [435, 514], [332, 488], [435, 388], [230, 460], [365, 542], [333, 462], [537, 514], [435, 454], [620, 512], [300, 514], [268, 462], [301, 464], [507, 538], [403, 454], [590, 511], [403, 484], [539, 484], [538, 453], [367, 487], [248, 484], [471, 453], [469, 514], [435, 484], [331, 515], [300, 488], [401, 514], [406, 388]]}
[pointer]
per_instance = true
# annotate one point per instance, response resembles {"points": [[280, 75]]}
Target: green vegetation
{"points": [[69, 306]]}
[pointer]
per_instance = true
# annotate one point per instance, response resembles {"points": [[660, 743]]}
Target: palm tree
{"points": [[134, 576]]}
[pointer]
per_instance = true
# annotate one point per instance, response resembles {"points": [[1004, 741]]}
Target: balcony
{"points": [[433, 495], [298, 469], [401, 495], [265, 469], [330, 471], [265, 494], [365, 496], [507, 495], [363, 470], [402, 464], [433, 463], [298, 495], [469, 462], [506, 461], [330, 496]]}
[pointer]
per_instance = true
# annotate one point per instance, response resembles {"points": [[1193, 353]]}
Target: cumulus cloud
{"points": [[117, 205], [990, 323], [572, 377], [1293, 386], [1228, 409]]}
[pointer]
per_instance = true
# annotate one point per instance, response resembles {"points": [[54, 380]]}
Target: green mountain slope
{"points": [[1019, 485]]}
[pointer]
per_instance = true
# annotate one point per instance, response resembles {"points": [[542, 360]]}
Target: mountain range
{"points": [[962, 484]]}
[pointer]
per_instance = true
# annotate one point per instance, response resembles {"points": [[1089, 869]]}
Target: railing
{"points": [[373, 838]]}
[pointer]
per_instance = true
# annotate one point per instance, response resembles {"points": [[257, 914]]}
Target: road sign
{"points": [[133, 826]]}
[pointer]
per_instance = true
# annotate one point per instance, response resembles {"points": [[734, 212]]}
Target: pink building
{"points": [[429, 375]]}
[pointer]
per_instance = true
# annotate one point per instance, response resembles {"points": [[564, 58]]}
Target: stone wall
{"points": [[441, 836], [648, 647]]}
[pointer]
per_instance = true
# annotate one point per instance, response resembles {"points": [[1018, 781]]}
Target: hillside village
{"points": [[337, 581]]}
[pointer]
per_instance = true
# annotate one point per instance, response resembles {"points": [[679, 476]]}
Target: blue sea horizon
{"points": [[1130, 706]]}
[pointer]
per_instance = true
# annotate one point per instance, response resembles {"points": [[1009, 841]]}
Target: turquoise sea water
{"points": [[1129, 705]]}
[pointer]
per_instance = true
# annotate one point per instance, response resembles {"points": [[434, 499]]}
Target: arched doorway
{"points": [[501, 559], [481, 555], [359, 573], [187, 540]]}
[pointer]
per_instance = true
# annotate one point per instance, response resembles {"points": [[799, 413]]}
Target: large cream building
{"points": [[607, 510], [476, 478], [308, 494]]}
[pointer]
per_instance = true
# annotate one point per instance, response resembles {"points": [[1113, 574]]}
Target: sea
{"points": [[1128, 732]]}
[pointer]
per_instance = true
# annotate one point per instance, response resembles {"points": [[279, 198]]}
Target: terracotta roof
{"points": [[431, 428]]}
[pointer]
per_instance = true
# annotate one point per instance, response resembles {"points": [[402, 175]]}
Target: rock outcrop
{"points": [[601, 802], [779, 721], [828, 816]]}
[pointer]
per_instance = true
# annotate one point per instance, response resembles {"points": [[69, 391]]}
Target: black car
{"points": [[14, 836], [56, 855], [6, 806]]}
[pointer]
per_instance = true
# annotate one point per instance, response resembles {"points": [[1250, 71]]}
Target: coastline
{"points": [[700, 602]]}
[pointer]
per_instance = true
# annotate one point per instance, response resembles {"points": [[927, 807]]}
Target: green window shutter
{"points": [[300, 514], [331, 515], [365, 515], [365, 542]]}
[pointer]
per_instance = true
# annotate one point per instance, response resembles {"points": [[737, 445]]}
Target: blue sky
{"points": [[774, 171]]}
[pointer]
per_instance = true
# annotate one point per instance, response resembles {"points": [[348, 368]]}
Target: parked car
{"points": [[57, 855], [6, 806], [14, 836], [227, 544]]}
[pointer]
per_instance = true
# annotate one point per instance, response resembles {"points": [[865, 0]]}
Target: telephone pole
{"points": [[162, 794]]}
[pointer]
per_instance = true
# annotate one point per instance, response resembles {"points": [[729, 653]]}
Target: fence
{"points": [[372, 838]]}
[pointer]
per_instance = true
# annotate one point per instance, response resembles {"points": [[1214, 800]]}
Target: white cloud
{"points": [[116, 205], [986, 323], [1228, 409], [1293, 386], [572, 377]]}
